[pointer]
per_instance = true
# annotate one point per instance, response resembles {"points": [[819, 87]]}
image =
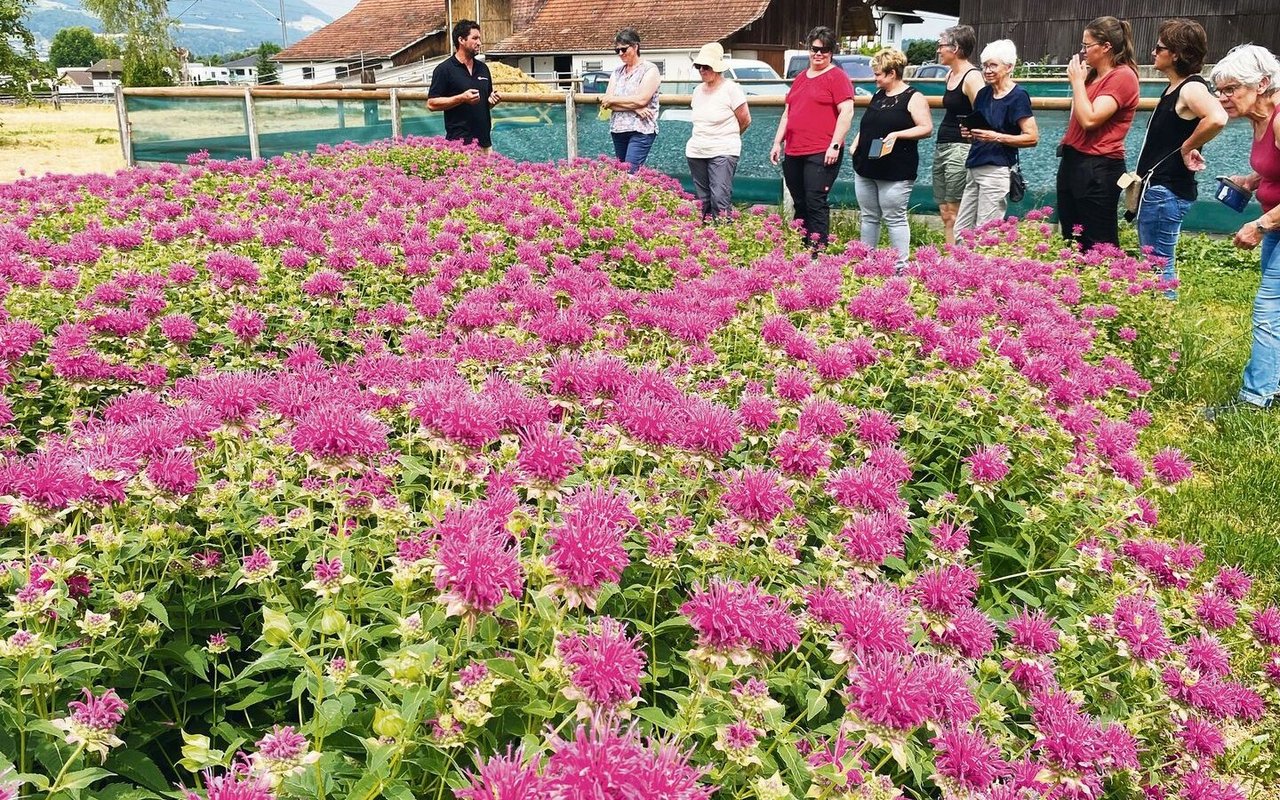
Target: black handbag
{"points": [[1017, 184]]}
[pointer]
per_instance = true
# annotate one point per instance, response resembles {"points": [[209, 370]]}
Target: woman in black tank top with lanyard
{"points": [[955, 45], [1186, 118], [886, 156]]}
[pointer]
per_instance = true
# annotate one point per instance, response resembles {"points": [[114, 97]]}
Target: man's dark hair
{"points": [[463, 29]]}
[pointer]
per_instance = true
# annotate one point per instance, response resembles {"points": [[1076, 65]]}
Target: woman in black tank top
{"points": [[886, 154], [955, 45], [1186, 118]]}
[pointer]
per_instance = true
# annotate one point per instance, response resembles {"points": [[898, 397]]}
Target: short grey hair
{"points": [[1002, 50], [1249, 64]]}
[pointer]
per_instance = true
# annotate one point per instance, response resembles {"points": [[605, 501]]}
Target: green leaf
{"points": [[816, 705], [82, 778], [654, 715], [157, 610], [123, 791], [1026, 597], [398, 791], [140, 769]]}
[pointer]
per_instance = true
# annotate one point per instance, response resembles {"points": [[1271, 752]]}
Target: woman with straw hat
{"points": [[720, 116]]}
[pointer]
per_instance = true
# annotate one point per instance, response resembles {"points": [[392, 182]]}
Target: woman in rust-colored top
{"points": [[1104, 95]]}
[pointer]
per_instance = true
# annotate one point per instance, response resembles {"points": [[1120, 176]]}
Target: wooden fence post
{"points": [[122, 119], [397, 127], [251, 125]]}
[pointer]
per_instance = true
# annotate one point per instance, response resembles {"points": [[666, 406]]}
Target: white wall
{"points": [[289, 73]]}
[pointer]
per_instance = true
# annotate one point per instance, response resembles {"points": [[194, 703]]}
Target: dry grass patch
{"points": [[78, 139]]}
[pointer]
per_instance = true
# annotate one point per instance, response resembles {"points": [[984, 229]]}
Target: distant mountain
{"points": [[205, 27]]}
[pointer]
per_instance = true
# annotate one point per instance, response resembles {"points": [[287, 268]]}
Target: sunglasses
{"points": [[1159, 48], [820, 50], [621, 50], [701, 67]]}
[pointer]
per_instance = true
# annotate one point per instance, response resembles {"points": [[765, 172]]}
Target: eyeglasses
{"points": [[1159, 48], [1084, 46], [701, 67], [946, 46], [820, 50], [990, 66], [1228, 90], [621, 50]]}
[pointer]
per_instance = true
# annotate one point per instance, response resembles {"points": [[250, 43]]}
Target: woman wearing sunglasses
{"points": [[1104, 95], [720, 116], [632, 96], [1185, 119], [814, 124]]}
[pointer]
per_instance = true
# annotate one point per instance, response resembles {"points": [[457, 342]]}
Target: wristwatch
{"points": [[1257, 223], [836, 145]]}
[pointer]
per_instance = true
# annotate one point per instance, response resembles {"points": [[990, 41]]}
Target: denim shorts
{"points": [[949, 173]]}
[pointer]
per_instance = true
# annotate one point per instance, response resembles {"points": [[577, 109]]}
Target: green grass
{"points": [[1232, 507]]}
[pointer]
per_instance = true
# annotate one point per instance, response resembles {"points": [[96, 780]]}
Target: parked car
{"points": [[594, 82], [931, 71], [858, 68], [756, 77]]}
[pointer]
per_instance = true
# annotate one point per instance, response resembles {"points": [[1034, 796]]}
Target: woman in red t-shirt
{"points": [[1104, 95], [814, 124]]}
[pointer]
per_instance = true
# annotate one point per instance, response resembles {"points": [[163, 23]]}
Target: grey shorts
{"points": [[949, 174]]}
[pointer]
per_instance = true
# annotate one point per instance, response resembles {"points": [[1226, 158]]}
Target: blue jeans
{"points": [[1159, 223], [633, 148], [1262, 372]]}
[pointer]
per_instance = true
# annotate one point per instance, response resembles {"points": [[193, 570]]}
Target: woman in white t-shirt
{"points": [[720, 115]]}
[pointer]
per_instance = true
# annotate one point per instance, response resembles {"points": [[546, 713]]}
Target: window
{"points": [[592, 66], [662, 67], [891, 32], [342, 71], [308, 73]]}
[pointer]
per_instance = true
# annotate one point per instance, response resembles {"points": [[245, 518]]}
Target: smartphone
{"points": [[975, 122], [877, 148]]}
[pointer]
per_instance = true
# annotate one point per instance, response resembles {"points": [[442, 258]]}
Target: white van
{"points": [[755, 77]]}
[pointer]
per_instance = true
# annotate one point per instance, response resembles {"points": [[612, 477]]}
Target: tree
{"points": [[19, 64], [109, 46], [74, 47], [149, 58], [266, 67], [920, 51]]}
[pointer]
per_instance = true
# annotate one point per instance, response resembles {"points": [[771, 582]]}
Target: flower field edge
{"points": [[402, 471]]}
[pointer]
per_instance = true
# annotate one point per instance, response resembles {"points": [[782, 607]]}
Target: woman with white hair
{"points": [[1005, 107], [1246, 81]]}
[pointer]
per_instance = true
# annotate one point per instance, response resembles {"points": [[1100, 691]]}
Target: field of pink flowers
{"points": [[403, 472]]}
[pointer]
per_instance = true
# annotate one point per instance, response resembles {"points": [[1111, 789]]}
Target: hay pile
{"points": [[511, 80]]}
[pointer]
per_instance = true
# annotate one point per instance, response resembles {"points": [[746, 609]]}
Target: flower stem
{"points": [[56, 785]]}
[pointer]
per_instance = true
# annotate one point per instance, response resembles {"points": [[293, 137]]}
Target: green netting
{"points": [[169, 129]]}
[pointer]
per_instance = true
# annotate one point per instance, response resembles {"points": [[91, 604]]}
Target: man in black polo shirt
{"points": [[462, 88]]}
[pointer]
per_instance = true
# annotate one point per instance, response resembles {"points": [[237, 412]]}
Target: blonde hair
{"points": [[890, 59]]}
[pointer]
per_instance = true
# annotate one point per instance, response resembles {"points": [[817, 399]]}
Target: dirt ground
{"points": [[78, 139]]}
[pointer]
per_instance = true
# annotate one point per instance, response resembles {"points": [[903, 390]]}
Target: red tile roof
{"points": [[585, 26], [373, 29]]}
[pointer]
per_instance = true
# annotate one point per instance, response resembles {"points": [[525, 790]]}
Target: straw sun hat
{"points": [[712, 54]]}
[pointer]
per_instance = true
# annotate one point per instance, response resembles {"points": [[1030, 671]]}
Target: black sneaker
{"points": [[1215, 413]]}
